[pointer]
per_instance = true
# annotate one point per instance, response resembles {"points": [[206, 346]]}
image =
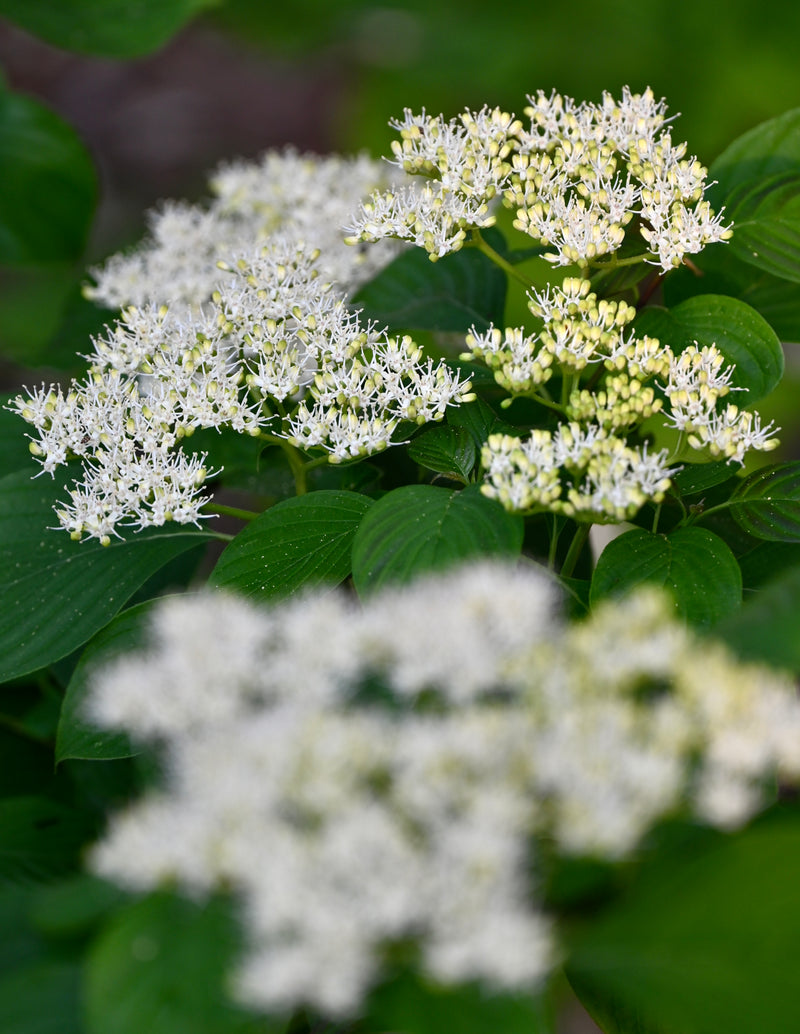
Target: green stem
{"points": [[554, 536], [575, 549], [231, 511], [221, 535], [618, 263], [656, 517], [498, 259]]}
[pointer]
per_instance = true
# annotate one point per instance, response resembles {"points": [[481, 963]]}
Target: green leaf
{"points": [[160, 966], [767, 560], [766, 216], [704, 941], [41, 998], [448, 450], [770, 148], [40, 838], [477, 417], [767, 504], [407, 1004], [110, 28], [73, 906], [767, 628], [300, 543], [49, 186], [742, 335], [459, 291], [420, 528], [694, 478], [77, 737], [57, 593], [695, 565]]}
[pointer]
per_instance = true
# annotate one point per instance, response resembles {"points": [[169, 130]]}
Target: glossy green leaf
{"points": [[407, 1004], [742, 335], [447, 450], [49, 186], [770, 148], [695, 565], [300, 543], [704, 941], [767, 503], [111, 28], [460, 290], [420, 528], [694, 478], [477, 417], [40, 838], [766, 217], [77, 737], [41, 998], [161, 966], [57, 593], [767, 628]]}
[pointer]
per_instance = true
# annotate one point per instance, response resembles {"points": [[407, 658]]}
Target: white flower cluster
{"points": [[466, 160], [302, 196], [577, 178], [364, 776], [272, 337], [586, 466]]}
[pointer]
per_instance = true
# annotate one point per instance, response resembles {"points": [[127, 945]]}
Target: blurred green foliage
{"points": [[725, 67]]}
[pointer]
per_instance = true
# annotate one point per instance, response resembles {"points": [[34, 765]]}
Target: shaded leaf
{"points": [[705, 940], [767, 503], [766, 216], [448, 450], [767, 628], [111, 28], [49, 185], [769, 148], [57, 593], [460, 290], [77, 737], [41, 998], [160, 966], [40, 838]]}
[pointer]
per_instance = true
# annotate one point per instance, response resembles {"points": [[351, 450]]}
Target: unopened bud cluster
{"points": [[587, 467], [578, 176]]}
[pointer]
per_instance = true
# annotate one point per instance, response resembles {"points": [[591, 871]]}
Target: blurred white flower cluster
{"points": [[306, 198], [365, 776], [586, 466], [578, 176], [254, 338]]}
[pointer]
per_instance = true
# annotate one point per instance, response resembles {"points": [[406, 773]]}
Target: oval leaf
{"points": [[766, 217], [299, 543], [705, 939], [110, 28], [420, 528], [769, 148], [742, 335], [49, 185], [767, 504], [447, 450], [694, 564], [57, 593]]}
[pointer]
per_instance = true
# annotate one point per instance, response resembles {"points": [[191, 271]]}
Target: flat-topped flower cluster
{"points": [[255, 339], [578, 176], [586, 467], [365, 776]]}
